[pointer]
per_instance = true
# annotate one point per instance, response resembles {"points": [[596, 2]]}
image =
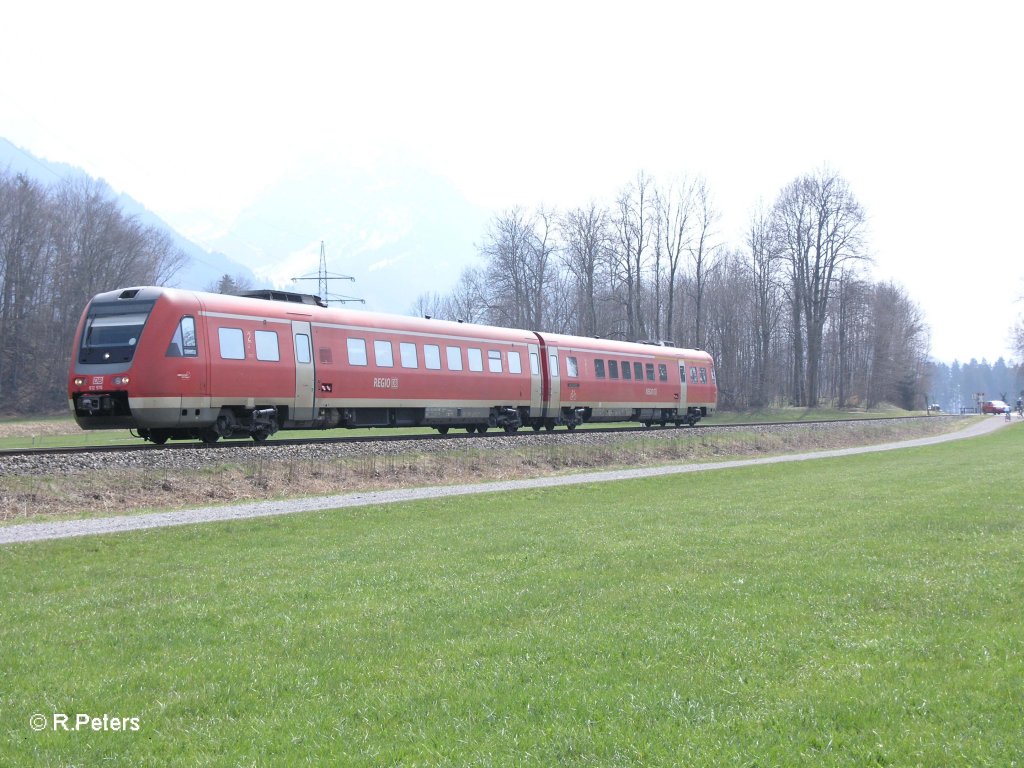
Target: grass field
{"points": [[857, 611]]}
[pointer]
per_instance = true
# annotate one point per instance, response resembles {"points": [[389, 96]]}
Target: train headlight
{"points": [[120, 381], [79, 381]]}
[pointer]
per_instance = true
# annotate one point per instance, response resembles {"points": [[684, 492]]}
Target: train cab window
{"points": [[356, 351], [515, 365], [625, 369], [713, 379], [303, 355], [553, 361], [613, 369], [650, 371], [383, 354], [232, 343], [599, 369], [572, 368], [693, 374], [703, 375], [432, 357], [183, 343], [662, 372], [454, 358], [535, 364], [476, 359], [266, 346], [638, 371], [407, 351], [494, 361]]}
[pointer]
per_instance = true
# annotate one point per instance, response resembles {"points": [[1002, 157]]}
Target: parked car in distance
{"points": [[994, 406]]}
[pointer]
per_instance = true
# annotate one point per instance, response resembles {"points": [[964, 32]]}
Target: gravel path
{"points": [[28, 532]]}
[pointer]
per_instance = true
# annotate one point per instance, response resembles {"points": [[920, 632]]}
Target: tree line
{"points": [[59, 246], [790, 315], [959, 386]]}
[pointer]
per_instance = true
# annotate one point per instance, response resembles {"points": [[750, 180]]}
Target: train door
{"points": [[536, 383], [553, 379], [681, 397], [305, 374]]}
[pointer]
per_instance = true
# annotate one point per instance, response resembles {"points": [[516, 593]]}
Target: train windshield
{"points": [[111, 337]]}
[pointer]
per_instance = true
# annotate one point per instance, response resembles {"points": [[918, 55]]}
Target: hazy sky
{"points": [[195, 108]]}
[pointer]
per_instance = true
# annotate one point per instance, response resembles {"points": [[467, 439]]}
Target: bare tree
{"points": [[674, 206], [766, 293], [587, 243], [820, 225], [702, 253], [633, 235]]}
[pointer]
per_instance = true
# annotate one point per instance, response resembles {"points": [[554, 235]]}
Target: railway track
{"points": [[389, 438]]}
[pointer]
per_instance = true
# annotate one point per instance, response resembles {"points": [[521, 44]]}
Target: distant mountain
{"points": [[202, 268], [399, 230]]}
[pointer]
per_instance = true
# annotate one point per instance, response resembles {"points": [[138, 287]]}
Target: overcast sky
{"points": [[194, 108]]}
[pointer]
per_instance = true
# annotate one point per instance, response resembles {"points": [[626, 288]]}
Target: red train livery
{"points": [[175, 364]]}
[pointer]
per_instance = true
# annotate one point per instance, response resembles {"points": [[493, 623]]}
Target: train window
{"points": [[454, 358], [693, 374], [183, 343], [572, 368], [383, 354], [232, 343], [534, 363], [625, 369], [432, 357], [613, 369], [638, 371], [356, 351], [713, 375], [407, 351], [494, 361], [266, 346], [476, 359], [553, 360], [703, 375], [515, 365], [302, 352], [682, 373], [599, 369], [662, 372], [650, 371]]}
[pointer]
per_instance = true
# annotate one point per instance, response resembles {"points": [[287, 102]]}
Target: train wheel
{"points": [[260, 436], [470, 429], [549, 426], [481, 429], [535, 426], [157, 438], [570, 427], [510, 429], [443, 430], [209, 437]]}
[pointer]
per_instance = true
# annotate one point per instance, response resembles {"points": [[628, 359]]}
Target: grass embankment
{"points": [[120, 490], [63, 432], [854, 611]]}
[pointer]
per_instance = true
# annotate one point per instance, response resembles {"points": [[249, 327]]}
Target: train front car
{"points": [[134, 362]]}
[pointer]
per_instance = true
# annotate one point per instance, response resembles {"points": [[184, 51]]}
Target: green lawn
{"points": [[858, 611]]}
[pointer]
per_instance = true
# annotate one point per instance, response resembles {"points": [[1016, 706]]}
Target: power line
{"points": [[323, 277]]}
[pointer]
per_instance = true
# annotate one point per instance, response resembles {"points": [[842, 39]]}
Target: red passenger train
{"points": [[175, 364]]}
